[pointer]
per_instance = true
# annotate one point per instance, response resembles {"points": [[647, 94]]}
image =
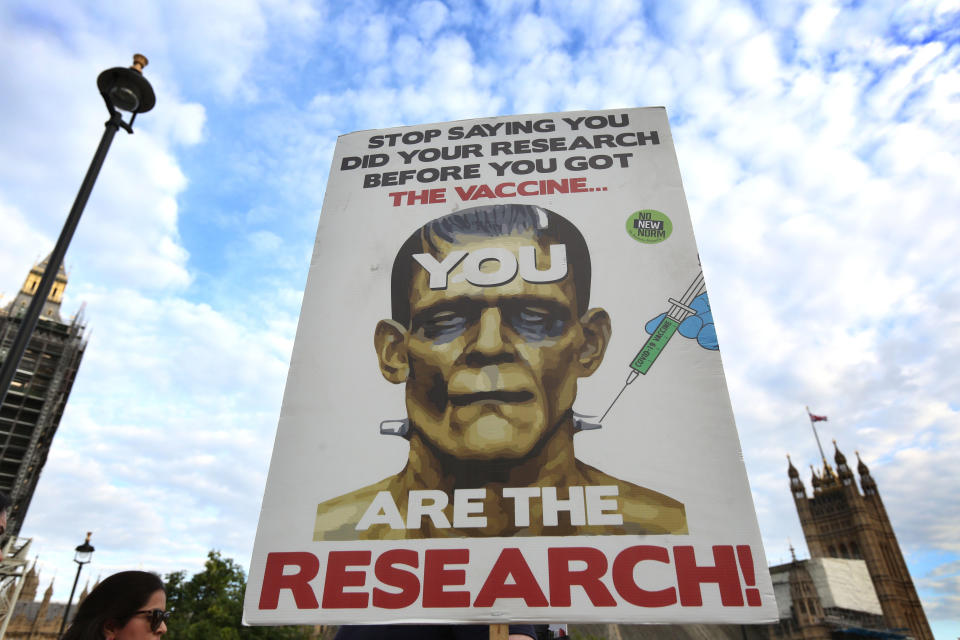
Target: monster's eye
{"points": [[534, 314], [443, 325], [537, 321]]}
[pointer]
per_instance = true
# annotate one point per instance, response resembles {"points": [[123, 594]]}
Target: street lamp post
{"points": [[123, 89], [82, 556]]}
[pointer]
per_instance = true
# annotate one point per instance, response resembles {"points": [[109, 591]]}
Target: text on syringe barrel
{"points": [[654, 345]]}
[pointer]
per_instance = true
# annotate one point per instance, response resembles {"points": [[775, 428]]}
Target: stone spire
{"points": [[31, 581], [846, 475], [796, 484], [867, 483]]}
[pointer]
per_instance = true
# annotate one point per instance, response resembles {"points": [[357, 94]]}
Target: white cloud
{"points": [[813, 30], [180, 122], [155, 468], [429, 17], [298, 18], [756, 66], [265, 241], [531, 35], [21, 245], [220, 40], [441, 82]]}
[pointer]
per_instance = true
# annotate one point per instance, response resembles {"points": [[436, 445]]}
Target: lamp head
{"points": [[84, 551], [126, 89]]}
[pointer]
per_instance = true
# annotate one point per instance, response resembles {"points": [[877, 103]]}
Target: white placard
{"points": [[506, 400]]}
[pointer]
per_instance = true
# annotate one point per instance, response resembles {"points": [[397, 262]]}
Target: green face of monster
{"points": [[490, 370]]}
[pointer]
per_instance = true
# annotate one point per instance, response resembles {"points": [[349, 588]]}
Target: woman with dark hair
{"points": [[130, 605]]}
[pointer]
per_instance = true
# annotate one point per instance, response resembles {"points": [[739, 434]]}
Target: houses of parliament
{"points": [[852, 548]]}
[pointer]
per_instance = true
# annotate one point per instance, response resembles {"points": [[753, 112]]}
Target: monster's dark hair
{"points": [[490, 222]]}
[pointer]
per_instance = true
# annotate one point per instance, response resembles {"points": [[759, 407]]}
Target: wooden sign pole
{"points": [[499, 632]]}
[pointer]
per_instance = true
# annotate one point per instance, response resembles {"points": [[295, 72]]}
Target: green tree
{"points": [[209, 606]]}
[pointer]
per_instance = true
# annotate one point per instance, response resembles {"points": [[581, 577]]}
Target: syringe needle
{"points": [[614, 401]]}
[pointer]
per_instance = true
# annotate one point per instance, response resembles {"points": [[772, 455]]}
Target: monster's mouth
{"points": [[497, 397]]}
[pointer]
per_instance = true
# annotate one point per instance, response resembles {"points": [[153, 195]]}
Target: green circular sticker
{"points": [[649, 226]]}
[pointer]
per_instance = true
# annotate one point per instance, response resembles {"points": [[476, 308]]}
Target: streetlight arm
{"points": [[84, 551], [32, 315], [66, 612], [115, 115]]}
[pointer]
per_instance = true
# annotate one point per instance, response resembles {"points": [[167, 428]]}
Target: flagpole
{"points": [[817, 436]]}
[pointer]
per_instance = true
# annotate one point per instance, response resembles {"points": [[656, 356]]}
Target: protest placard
{"points": [[505, 399]]}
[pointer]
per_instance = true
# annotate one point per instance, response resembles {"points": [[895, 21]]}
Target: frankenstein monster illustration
{"points": [[490, 331]]}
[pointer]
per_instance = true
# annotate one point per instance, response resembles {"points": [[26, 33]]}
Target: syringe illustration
{"points": [[679, 311]]}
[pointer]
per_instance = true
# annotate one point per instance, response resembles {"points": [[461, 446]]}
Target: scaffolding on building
{"points": [[13, 568]]}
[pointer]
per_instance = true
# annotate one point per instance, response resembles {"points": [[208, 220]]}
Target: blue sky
{"points": [[818, 146]]}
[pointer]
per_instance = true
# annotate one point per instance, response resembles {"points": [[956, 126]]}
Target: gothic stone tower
{"points": [[840, 522], [31, 412]]}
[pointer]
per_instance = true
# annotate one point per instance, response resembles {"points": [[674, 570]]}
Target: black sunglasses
{"points": [[157, 617]]}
